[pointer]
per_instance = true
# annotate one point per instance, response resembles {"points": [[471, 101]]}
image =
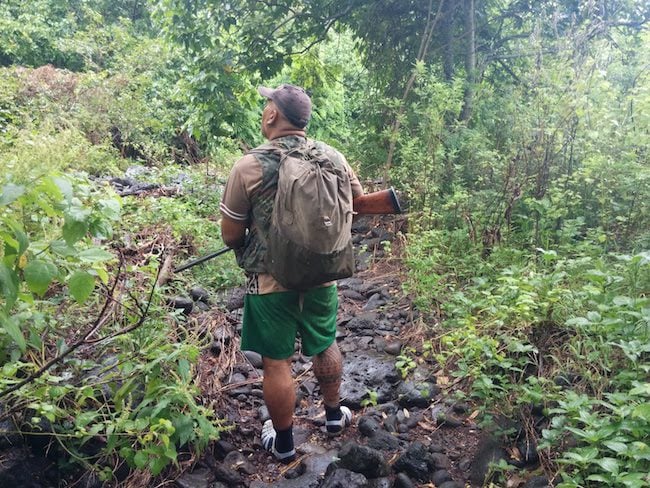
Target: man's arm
{"points": [[233, 232], [245, 177], [357, 190]]}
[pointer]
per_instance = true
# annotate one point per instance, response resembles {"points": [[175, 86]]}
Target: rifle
{"points": [[378, 202], [375, 203], [201, 259]]}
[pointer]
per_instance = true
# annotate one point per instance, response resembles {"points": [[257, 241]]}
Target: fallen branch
{"points": [[166, 270]]}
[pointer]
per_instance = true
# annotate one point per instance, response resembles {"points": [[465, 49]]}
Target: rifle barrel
{"points": [[203, 259]]}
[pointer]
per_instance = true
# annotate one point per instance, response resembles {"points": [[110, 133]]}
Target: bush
{"points": [[71, 360], [582, 315]]}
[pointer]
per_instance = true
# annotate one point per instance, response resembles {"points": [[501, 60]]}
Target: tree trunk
{"points": [[134, 12], [446, 31], [470, 59]]}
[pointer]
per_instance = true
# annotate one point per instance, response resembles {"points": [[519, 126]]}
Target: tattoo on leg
{"points": [[328, 367]]}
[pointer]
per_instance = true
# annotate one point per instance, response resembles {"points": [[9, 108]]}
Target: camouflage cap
{"points": [[293, 102]]}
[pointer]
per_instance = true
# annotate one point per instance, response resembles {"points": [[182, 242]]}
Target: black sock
{"points": [[284, 440], [333, 413]]}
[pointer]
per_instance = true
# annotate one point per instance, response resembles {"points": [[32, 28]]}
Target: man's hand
{"points": [[233, 232]]}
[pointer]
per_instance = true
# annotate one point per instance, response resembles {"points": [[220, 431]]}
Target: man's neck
{"points": [[286, 132]]}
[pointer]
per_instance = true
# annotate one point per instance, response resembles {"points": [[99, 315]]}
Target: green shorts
{"points": [[271, 322]]}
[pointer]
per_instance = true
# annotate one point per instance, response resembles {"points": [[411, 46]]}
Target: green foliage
{"points": [[58, 118], [47, 223], [72, 34], [227, 64], [545, 159], [44, 151], [582, 312], [422, 144], [162, 414], [370, 400], [29, 33], [52, 230], [405, 362]]}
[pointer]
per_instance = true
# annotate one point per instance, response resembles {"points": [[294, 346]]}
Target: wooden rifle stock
{"points": [[378, 202]]}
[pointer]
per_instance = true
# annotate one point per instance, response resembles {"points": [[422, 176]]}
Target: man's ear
{"points": [[272, 117]]}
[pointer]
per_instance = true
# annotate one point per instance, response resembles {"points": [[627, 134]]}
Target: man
{"points": [[273, 315]]}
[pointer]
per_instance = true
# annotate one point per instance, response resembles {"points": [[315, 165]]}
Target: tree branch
{"points": [[86, 337], [422, 52]]}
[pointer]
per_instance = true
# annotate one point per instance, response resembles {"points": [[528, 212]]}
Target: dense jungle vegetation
{"points": [[518, 131]]}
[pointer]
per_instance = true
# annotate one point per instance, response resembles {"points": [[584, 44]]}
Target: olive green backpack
{"points": [[310, 239]]}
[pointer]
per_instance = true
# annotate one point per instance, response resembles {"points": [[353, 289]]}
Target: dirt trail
{"points": [[392, 412]]}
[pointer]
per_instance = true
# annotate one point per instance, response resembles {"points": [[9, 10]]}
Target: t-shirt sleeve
{"points": [[245, 177], [357, 189]]}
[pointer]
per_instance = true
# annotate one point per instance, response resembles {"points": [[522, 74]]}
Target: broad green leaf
{"points": [[64, 186], [18, 241], [184, 369], [11, 327], [100, 273], [10, 192], [140, 459], [184, 426], [123, 392], [642, 411], [38, 275], [74, 229], [85, 418], [11, 245], [101, 229], [580, 321], [642, 389], [22, 239], [164, 438], [622, 301], [609, 464], [63, 249], [96, 429], [26, 297], [45, 205], [110, 208], [617, 447], [34, 340], [634, 479], [583, 455], [599, 477], [8, 285], [593, 316], [161, 405], [48, 186], [94, 255], [170, 451], [78, 212], [157, 464], [81, 285]]}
